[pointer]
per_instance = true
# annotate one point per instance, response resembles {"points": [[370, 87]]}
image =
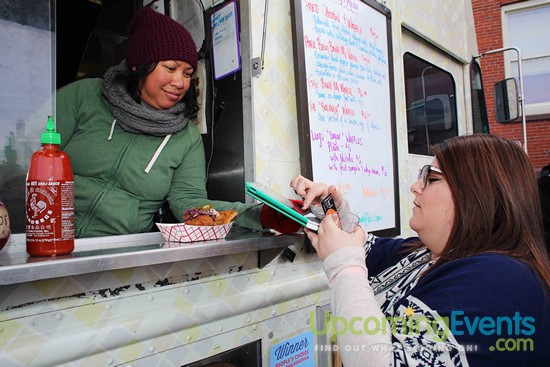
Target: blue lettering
{"points": [[455, 322], [500, 321], [471, 326], [487, 325], [528, 322]]}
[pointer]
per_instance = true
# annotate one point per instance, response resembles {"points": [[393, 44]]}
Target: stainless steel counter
{"points": [[127, 251]]}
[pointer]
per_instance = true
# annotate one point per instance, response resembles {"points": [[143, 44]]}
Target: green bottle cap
{"points": [[50, 136]]}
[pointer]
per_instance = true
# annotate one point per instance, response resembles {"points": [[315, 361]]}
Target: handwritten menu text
{"points": [[346, 56]]}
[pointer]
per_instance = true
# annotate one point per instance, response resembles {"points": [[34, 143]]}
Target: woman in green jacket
{"points": [[131, 143]]}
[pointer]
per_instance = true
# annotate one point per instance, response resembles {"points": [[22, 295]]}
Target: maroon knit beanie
{"points": [[156, 37]]}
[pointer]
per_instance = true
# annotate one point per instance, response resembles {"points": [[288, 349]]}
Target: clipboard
{"points": [[281, 204]]}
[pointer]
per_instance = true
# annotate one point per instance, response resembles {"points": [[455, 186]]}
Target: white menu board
{"points": [[345, 86], [226, 49]]}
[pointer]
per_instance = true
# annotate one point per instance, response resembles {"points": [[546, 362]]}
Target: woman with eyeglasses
{"points": [[471, 290]]}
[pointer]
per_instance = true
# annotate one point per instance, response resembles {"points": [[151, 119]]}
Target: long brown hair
{"points": [[495, 194]]}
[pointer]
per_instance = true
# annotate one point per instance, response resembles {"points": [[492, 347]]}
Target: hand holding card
{"points": [[285, 206]]}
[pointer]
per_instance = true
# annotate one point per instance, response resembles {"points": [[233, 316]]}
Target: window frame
{"points": [[451, 107], [480, 119], [533, 111]]}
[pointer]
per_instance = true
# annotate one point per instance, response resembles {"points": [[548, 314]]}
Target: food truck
{"points": [[350, 92]]}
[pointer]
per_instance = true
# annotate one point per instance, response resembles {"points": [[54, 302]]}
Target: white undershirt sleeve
{"points": [[366, 341]]}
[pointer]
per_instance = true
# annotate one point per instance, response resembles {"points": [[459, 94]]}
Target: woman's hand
{"points": [[329, 238], [314, 192]]}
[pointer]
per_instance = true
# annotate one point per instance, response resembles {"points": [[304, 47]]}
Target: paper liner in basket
{"points": [[180, 232]]}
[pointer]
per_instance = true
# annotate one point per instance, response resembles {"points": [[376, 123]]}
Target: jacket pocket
{"points": [[117, 212]]}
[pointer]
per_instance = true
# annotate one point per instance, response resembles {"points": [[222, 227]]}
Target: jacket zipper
{"points": [[110, 183]]}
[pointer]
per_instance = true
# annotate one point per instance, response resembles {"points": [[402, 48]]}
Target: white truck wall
{"points": [[163, 315], [447, 25]]}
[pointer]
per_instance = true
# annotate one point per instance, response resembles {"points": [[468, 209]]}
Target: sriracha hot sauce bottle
{"points": [[50, 198]]}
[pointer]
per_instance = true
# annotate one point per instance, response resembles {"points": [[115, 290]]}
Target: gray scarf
{"points": [[135, 117]]}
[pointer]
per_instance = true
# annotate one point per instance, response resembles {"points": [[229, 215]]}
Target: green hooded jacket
{"points": [[113, 192]]}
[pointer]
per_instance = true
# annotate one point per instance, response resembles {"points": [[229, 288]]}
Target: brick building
{"points": [[525, 25]]}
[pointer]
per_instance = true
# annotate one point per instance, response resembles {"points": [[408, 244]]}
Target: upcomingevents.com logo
{"points": [[515, 330]]}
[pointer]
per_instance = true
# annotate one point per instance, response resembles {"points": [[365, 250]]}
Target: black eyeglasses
{"points": [[425, 171]]}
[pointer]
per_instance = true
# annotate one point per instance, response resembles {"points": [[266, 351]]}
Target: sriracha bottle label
{"points": [[50, 198], [50, 211]]}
